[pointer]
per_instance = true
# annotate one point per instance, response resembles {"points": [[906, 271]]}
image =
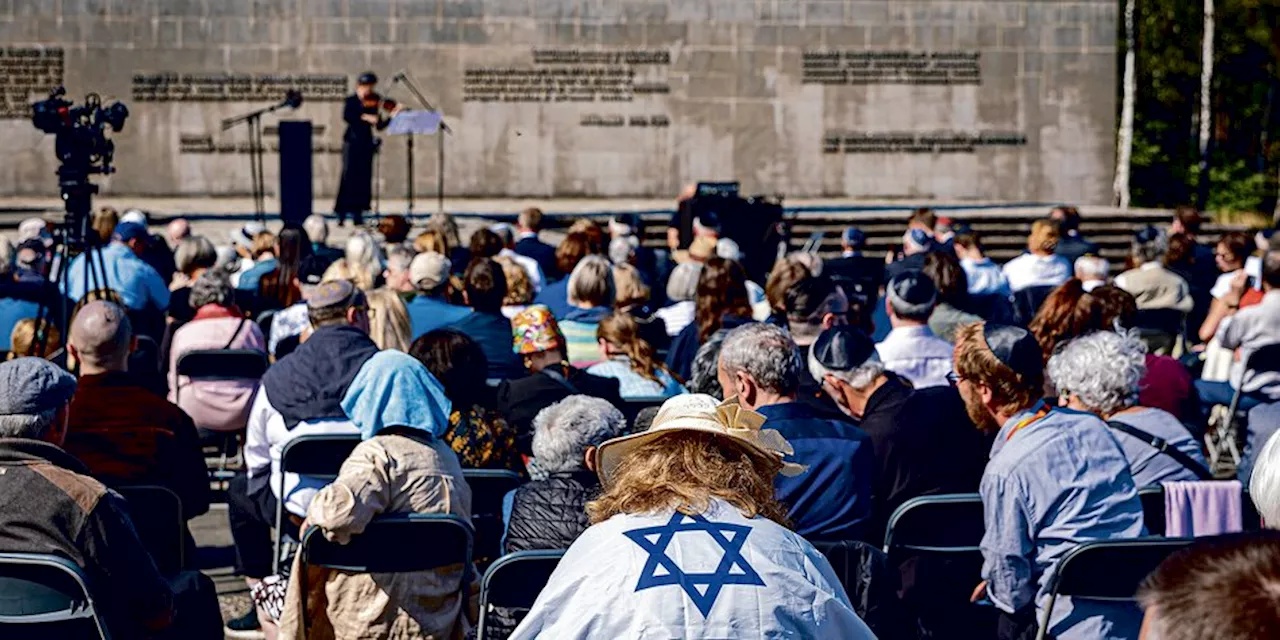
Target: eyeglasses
{"points": [[953, 378]]}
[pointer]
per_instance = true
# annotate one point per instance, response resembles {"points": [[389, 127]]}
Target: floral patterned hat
{"points": [[535, 330]]}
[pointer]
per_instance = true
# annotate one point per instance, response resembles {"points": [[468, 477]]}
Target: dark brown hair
{"points": [[784, 276], [722, 290], [923, 216], [485, 244], [457, 362], [1189, 218], [395, 228], [485, 285], [1238, 244], [571, 251], [944, 269]]}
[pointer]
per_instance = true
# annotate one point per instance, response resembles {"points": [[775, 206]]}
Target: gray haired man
{"points": [[52, 506]]}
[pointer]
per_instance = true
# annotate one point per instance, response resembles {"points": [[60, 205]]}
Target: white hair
{"points": [[1103, 369], [398, 258], [859, 379], [32, 426], [1092, 268], [362, 251], [682, 286], [728, 249], [194, 252], [563, 431], [621, 248], [1264, 481], [764, 352], [316, 228]]}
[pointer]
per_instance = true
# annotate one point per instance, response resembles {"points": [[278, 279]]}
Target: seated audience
{"points": [[396, 275], [1264, 422], [431, 309], [923, 440], [916, 243], [538, 341], [278, 288], [631, 296], [831, 500], [215, 405], [708, 470], [263, 253], [813, 305], [1150, 283], [722, 304], [1066, 313], [176, 231], [52, 505], [1230, 255], [574, 247], [528, 224], [124, 433], [242, 241], [682, 289], [591, 294], [1071, 245], [1092, 272], [443, 223], [1220, 588], [156, 252], [394, 230], [364, 260], [1100, 373], [402, 466], [949, 279], [299, 395], [911, 350], [194, 256], [388, 320], [519, 290], [1249, 329], [626, 356], [485, 289], [289, 325], [1040, 266], [479, 435], [1040, 497], [550, 513], [139, 285], [322, 255], [431, 240], [32, 337], [507, 237]]}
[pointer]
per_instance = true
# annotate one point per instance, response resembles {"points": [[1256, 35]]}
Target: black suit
{"points": [[355, 189], [520, 400], [1074, 246], [542, 253]]}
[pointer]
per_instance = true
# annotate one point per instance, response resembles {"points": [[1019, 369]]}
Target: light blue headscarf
{"points": [[393, 389]]}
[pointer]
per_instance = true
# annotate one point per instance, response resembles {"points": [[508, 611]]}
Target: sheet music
{"points": [[414, 122]]}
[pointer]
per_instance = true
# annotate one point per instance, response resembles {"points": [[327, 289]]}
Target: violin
{"points": [[376, 101]]}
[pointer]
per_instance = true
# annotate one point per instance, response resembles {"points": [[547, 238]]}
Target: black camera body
{"points": [[81, 144]]}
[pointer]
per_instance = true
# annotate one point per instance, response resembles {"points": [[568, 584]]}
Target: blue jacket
{"points": [[138, 284], [428, 313], [493, 332], [250, 278], [555, 296], [541, 252], [831, 500]]}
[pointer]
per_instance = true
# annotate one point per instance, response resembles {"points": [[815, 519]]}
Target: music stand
{"points": [[415, 123], [441, 129]]}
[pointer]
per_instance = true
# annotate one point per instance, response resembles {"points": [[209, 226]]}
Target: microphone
{"points": [[399, 76], [292, 99]]}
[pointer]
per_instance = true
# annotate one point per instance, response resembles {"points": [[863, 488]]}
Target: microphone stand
{"points": [[257, 175], [403, 77]]}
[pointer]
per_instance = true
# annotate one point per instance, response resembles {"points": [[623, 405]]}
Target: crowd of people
{"points": [[642, 393]]}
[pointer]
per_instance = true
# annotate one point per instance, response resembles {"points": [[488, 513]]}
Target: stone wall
{"points": [[948, 99]]}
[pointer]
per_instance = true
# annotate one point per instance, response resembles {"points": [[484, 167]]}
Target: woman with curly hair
{"points": [[704, 470]]}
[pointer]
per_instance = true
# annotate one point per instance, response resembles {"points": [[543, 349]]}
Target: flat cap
{"points": [[31, 385], [843, 348], [332, 293]]}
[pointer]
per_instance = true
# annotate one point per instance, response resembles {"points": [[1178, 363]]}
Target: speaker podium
{"points": [[295, 170]]}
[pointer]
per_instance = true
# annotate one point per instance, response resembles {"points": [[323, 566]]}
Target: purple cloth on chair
{"points": [[1204, 508]]}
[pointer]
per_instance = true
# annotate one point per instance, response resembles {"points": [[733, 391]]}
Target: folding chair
{"points": [[944, 523], [514, 582], [1152, 498], [46, 596], [156, 513], [221, 364], [391, 544], [1107, 571], [316, 455], [1026, 302], [488, 488], [264, 321], [1221, 440]]}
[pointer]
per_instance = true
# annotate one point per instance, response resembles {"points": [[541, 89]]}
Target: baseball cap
{"points": [[134, 215], [127, 231], [429, 270], [35, 228], [244, 235]]}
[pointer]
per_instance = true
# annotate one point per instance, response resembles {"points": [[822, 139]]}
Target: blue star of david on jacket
{"points": [[730, 537]]}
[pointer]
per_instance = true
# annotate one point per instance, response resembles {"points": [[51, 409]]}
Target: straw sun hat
{"points": [[700, 412]]}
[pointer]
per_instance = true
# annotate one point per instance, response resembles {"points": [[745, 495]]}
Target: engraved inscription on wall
{"points": [[167, 86], [909, 142], [892, 67], [27, 74], [572, 75]]}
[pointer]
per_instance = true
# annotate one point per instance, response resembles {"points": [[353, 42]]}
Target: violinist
{"points": [[364, 111]]}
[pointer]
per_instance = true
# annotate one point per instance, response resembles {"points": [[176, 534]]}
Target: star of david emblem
{"points": [[702, 588]]}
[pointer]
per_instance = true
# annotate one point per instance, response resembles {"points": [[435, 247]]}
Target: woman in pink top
{"points": [[214, 405]]}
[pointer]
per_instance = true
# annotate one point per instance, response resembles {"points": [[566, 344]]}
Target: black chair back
{"points": [[871, 583], [488, 488], [156, 513], [223, 364], [391, 544], [264, 321], [946, 523], [1026, 302], [317, 455], [514, 582], [45, 596]]}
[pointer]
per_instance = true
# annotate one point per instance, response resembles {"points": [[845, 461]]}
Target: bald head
{"points": [[177, 231], [101, 337]]}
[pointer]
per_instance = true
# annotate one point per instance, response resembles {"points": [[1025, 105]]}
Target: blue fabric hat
{"points": [[126, 231], [843, 348], [393, 389], [1015, 347]]}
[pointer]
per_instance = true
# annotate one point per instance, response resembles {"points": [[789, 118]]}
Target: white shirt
{"points": [[918, 355], [1031, 270], [984, 277], [264, 441], [530, 266], [677, 316]]}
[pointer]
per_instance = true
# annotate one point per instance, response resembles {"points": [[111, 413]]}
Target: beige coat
{"points": [[385, 475]]}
